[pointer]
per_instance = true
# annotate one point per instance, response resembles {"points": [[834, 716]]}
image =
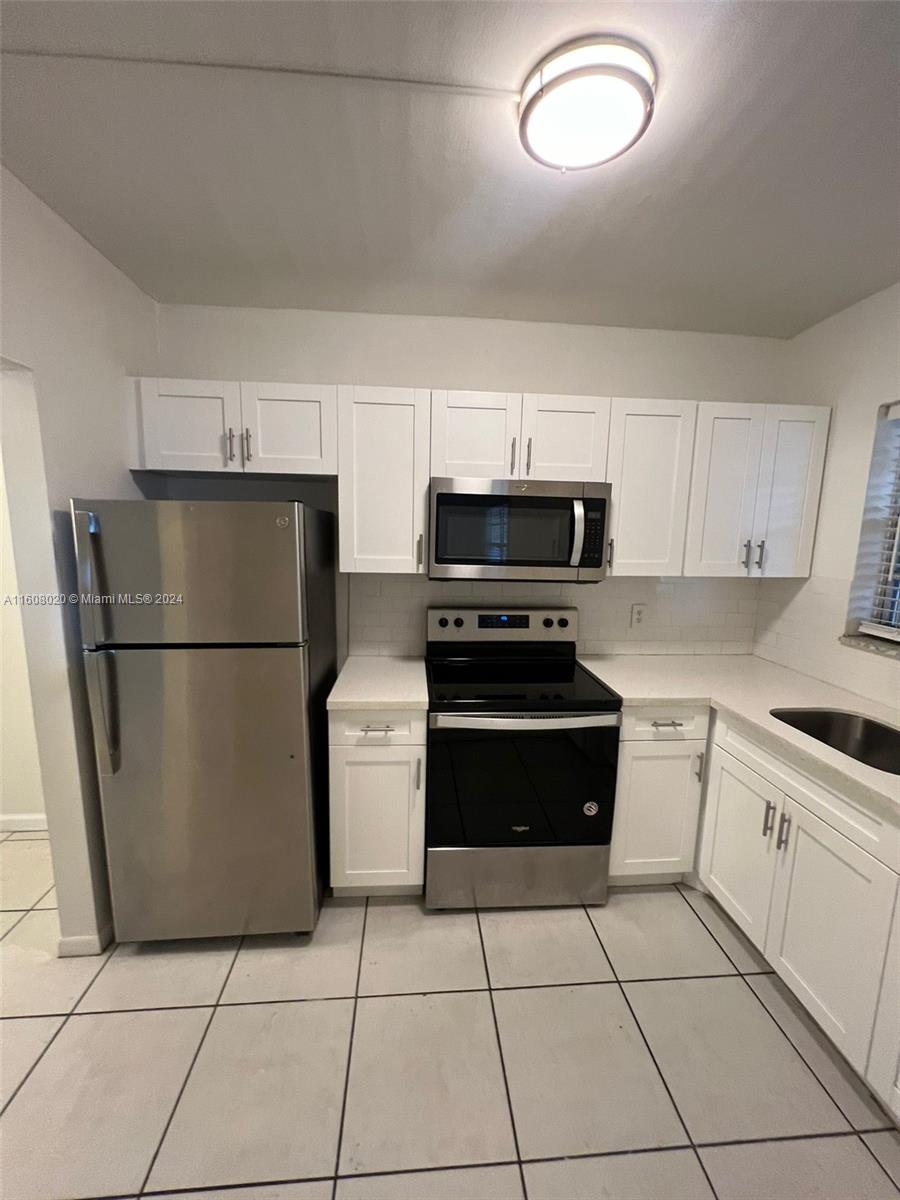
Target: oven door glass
{"points": [[487, 788], [516, 531]]}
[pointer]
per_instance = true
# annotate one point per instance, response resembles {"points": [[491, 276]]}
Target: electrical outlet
{"points": [[638, 612]]}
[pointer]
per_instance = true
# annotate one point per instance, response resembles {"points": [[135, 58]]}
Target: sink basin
{"points": [[868, 741]]}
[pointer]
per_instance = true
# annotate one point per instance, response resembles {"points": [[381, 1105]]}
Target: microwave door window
{"points": [[485, 530]]}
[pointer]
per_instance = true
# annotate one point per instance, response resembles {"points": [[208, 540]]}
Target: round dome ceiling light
{"points": [[587, 103]]}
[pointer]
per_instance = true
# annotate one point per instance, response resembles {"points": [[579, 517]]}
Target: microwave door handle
{"points": [[578, 537]]}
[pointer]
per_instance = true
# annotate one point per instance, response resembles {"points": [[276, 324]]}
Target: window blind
{"points": [[881, 618]]}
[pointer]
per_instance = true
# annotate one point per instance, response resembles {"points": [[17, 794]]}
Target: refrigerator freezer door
{"points": [[207, 807], [173, 572]]}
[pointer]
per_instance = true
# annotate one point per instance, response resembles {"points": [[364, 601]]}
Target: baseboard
{"points": [[23, 822], [400, 889], [83, 945], [645, 880]]}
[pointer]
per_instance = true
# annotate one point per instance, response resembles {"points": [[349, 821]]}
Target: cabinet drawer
{"points": [[376, 727], [664, 723]]}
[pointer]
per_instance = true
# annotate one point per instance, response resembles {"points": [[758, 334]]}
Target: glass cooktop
{"points": [[516, 685]]}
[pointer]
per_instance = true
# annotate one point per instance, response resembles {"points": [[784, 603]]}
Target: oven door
{"points": [[506, 529], [521, 779]]}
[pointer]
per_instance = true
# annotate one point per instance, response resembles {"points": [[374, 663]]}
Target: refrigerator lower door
{"points": [[206, 793]]}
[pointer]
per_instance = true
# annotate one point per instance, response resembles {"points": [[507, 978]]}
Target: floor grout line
{"points": [[862, 1139], [646, 1042], [190, 1069], [340, 1138], [512, 1117]]}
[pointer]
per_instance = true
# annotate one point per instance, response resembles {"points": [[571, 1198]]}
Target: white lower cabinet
{"points": [[657, 805], [737, 852], [377, 817], [883, 1072], [814, 902], [828, 929]]}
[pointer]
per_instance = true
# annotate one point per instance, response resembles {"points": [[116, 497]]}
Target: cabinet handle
{"points": [[247, 436], [512, 458], [230, 440], [418, 774], [768, 818], [784, 832], [612, 546], [381, 730], [748, 554], [420, 549], [701, 758], [762, 549], [667, 724], [528, 458]]}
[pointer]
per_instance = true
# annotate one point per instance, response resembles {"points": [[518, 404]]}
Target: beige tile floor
{"points": [[641, 1051]]}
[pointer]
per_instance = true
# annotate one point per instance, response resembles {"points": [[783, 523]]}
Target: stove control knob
{"points": [[443, 622], [563, 622], [548, 622], [458, 622]]}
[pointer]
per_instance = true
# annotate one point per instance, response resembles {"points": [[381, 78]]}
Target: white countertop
{"points": [[743, 688], [376, 681]]}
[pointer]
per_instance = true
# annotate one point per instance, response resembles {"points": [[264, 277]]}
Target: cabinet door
{"points": [[377, 816], [650, 445], [289, 428], [883, 1072], [657, 802], [828, 930], [723, 489], [790, 480], [190, 424], [565, 437], [476, 434], [737, 852], [382, 478]]}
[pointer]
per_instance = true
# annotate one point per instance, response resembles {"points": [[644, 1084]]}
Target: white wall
{"points": [[81, 327], [284, 345], [21, 789], [852, 362]]}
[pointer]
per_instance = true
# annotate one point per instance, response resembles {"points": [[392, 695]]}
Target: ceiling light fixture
{"points": [[586, 103]]}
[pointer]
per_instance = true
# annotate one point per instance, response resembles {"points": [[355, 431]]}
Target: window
{"points": [[875, 599]]}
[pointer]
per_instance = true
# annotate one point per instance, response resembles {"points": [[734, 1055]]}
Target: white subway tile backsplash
{"points": [[683, 616]]}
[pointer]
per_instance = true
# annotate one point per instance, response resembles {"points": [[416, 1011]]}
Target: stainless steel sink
{"points": [[868, 741]]}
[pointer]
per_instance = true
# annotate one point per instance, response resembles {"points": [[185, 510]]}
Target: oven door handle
{"points": [[528, 721], [578, 532]]}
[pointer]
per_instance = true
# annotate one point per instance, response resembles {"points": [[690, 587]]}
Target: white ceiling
{"points": [[763, 198]]}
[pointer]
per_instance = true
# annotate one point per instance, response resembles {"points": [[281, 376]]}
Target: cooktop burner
{"points": [[510, 660]]}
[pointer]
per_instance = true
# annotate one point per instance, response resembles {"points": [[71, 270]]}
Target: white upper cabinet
{"points": [[290, 428], [382, 478], [829, 926], [790, 480], [207, 425], [564, 437], [186, 425], [725, 478], [650, 447], [476, 434]]}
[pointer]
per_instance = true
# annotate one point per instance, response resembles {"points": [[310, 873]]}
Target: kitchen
{"points": [[548, 900]]}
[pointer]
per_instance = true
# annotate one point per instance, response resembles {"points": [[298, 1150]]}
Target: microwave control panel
{"points": [[594, 533], [502, 624]]}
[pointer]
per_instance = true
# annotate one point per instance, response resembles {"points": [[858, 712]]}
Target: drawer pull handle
{"points": [[384, 730], [667, 724], [784, 832], [768, 818]]}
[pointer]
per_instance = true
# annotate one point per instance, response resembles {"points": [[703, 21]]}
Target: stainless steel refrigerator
{"points": [[208, 631]]}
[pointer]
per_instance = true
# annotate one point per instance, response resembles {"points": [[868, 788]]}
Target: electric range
{"points": [[523, 749]]}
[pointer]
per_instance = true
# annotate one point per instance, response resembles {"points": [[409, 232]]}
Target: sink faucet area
{"points": [[870, 742]]}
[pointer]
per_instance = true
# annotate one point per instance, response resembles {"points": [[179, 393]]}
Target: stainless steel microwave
{"points": [[518, 529]]}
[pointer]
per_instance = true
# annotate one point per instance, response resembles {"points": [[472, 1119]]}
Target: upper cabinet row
{"points": [[708, 489]]}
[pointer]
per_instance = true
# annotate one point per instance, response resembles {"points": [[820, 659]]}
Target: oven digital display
{"points": [[503, 621]]}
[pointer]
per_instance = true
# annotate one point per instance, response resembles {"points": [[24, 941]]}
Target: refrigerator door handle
{"points": [[103, 713], [86, 527]]}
